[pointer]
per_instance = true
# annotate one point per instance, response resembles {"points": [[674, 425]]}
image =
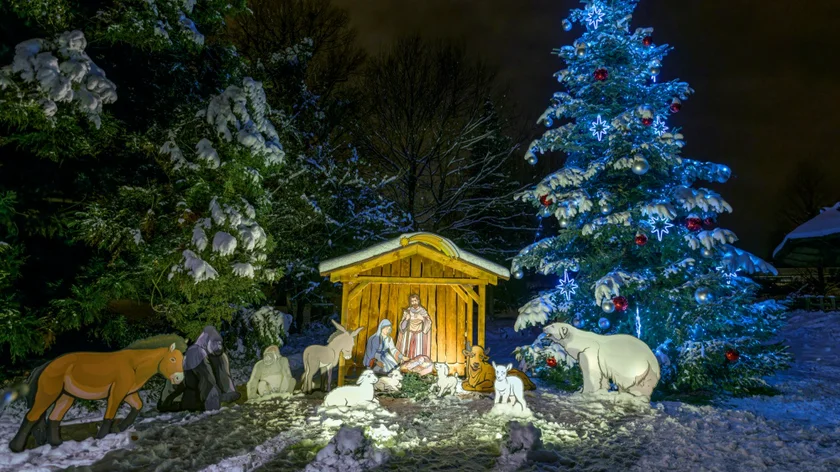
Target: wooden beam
{"points": [[374, 279], [345, 301], [469, 291], [377, 261], [457, 264], [357, 290], [482, 308], [460, 291]]}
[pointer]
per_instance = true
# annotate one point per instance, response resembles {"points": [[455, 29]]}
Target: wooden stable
{"points": [[451, 283]]}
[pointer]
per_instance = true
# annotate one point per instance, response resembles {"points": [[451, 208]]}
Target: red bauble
{"points": [[601, 74], [641, 239], [620, 303], [647, 121], [732, 355], [709, 222], [693, 224], [546, 200], [551, 362], [675, 107], [647, 40]]}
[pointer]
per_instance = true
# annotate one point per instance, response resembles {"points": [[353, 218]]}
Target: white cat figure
{"points": [[509, 389]]}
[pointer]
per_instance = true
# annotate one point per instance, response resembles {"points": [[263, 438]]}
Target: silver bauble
{"points": [[575, 267], [640, 166], [545, 212], [580, 49], [606, 209], [567, 25], [654, 71], [518, 274], [531, 159], [703, 295], [564, 223], [608, 306], [604, 323], [706, 252]]}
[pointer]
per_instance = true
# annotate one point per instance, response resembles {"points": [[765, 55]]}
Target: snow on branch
{"points": [[663, 210], [703, 199], [242, 112], [736, 259], [710, 239], [538, 311], [607, 287], [58, 71]]}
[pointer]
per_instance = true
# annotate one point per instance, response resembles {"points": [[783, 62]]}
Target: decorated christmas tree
{"points": [[639, 250]]}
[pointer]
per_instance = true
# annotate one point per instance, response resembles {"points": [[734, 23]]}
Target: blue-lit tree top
{"points": [[623, 182]]}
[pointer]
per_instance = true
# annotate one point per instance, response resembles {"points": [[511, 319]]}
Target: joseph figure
{"points": [[415, 337]]}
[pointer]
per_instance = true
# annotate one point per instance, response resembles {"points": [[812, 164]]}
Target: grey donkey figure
{"points": [[324, 358]]}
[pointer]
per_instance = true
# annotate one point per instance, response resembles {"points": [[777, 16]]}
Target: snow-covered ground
{"points": [[797, 430]]}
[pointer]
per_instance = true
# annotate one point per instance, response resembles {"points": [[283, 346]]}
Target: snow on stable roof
{"points": [[824, 224], [396, 243]]}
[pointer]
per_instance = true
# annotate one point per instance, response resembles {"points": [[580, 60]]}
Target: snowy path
{"points": [[798, 430]]}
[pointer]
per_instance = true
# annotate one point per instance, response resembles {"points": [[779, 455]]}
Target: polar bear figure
{"points": [[622, 358]]}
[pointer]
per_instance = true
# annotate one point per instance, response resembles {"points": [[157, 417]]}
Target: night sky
{"points": [[766, 75]]}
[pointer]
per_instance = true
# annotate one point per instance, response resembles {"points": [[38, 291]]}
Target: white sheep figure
{"points": [[508, 389], [360, 394], [391, 383], [444, 381]]}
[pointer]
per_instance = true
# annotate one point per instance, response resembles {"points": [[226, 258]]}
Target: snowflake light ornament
{"points": [[595, 16], [659, 126], [567, 286], [659, 226], [599, 128]]}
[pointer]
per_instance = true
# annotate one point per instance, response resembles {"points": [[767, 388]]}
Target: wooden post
{"points": [[482, 308], [345, 295]]}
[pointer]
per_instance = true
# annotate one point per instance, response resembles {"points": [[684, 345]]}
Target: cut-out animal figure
{"points": [[113, 376], [481, 375], [509, 389], [324, 358], [622, 358], [270, 375], [445, 382], [207, 380], [361, 394], [392, 383]]}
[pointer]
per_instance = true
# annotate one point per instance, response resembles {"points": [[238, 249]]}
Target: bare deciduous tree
{"points": [[431, 116], [275, 27]]}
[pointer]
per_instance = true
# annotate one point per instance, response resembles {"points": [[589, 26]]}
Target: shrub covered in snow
{"points": [[348, 451]]}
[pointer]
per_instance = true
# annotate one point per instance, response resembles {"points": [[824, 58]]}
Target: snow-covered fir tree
{"points": [[209, 193], [639, 250]]}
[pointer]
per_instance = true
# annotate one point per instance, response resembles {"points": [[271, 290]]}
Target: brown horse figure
{"points": [[115, 376], [317, 357]]}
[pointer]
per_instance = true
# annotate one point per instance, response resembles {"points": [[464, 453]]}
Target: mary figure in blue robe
{"points": [[381, 353]]}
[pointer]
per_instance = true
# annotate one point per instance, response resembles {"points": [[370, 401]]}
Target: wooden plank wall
{"points": [[451, 315]]}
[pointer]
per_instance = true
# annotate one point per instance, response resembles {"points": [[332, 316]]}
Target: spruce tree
{"points": [[639, 249]]}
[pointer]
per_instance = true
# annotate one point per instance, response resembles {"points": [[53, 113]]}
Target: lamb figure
{"points": [[391, 383], [360, 394], [508, 389], [445, 382]]}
